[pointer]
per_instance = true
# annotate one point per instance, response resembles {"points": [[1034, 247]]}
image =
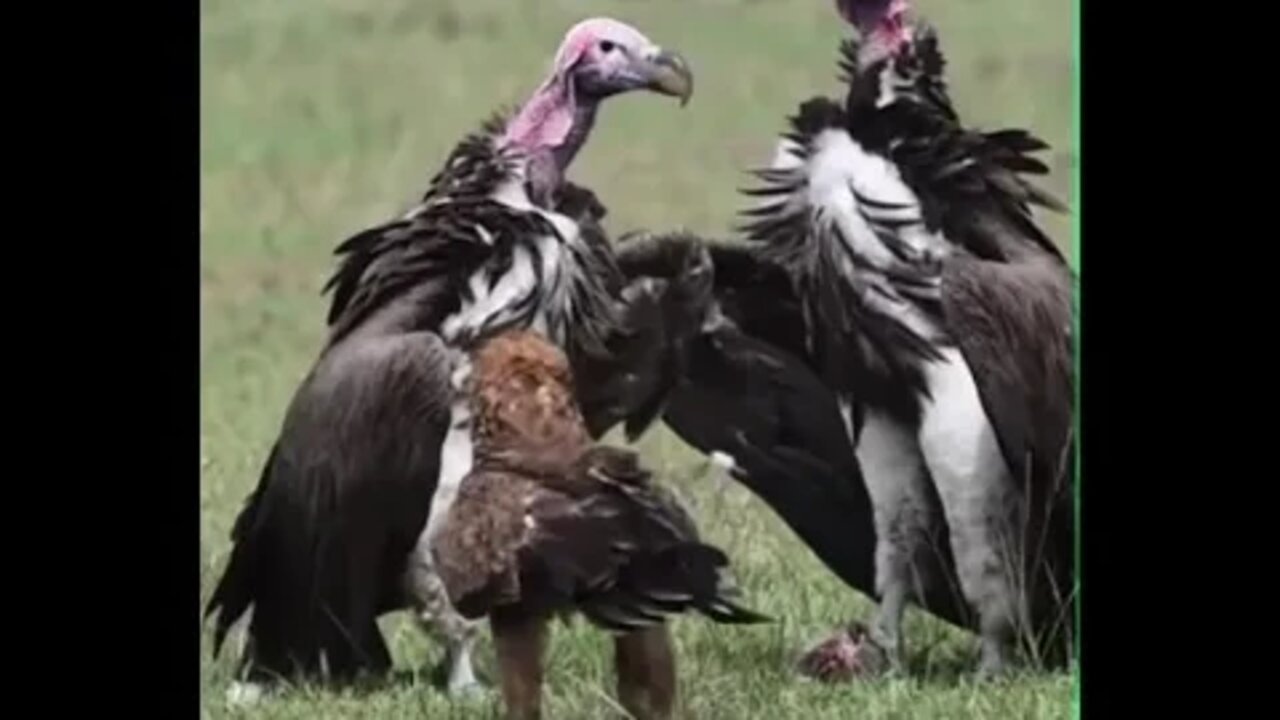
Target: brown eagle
{"points": [[548, 523]]}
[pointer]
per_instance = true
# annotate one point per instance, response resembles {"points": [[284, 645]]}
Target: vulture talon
{"points": [[458, 680], [244, 694]]}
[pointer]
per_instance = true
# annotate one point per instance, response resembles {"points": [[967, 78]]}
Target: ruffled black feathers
{"points": [[461, 239], [970, 183]]}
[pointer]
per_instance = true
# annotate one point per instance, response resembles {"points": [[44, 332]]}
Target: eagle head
{"points": [[521, 387]]}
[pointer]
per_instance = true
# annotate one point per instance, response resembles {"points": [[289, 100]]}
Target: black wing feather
{"points": [[1013, 325]]}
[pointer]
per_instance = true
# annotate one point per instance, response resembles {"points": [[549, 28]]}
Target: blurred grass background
{"points": [[321, 118]]}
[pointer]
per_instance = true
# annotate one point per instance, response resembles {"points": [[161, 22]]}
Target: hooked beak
{"points": [[669, 74]]}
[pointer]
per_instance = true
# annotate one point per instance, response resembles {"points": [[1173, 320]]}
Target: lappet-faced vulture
{"points": [[894, 276], [335, 533]]}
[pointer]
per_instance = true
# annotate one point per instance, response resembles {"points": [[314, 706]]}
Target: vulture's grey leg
{"points": [[434, 612], [896, 479], [438, 619], [241, 694], [979, 500]]}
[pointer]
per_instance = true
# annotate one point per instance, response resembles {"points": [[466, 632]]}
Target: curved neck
{"points": [[549, 130]]}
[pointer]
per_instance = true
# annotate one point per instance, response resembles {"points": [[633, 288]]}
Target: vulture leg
{"points": [[977, 494], [646, 667], [436, 615], [897, 481], [520, 642], [244, 693], [437, 618]]}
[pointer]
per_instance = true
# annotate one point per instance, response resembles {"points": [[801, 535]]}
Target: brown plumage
{"points": [[547, 524]]}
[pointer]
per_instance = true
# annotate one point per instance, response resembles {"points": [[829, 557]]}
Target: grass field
{"points": [[320, 118]]}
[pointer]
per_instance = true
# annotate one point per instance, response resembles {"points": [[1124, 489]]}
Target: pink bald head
{"points": [[883, 24], [597, 59], [592, 41]]}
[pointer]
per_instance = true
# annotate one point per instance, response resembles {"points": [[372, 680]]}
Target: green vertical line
{"points": [[1076, 56]]}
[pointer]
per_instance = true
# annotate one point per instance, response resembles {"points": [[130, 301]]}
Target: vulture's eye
{"points": [[607, 46]]}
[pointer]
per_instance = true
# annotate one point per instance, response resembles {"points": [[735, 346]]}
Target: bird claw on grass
{"points": [[472, 691], [244, 694], [849, 654], [458, 688], [991, 674]]}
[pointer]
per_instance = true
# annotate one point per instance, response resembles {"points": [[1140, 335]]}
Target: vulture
{"points": [[334, 535], [547, 524], [894, 285]]}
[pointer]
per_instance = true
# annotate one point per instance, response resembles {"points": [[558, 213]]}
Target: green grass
{"points": [[322, 117]]}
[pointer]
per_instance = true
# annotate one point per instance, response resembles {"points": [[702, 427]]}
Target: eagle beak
{"points": [[669, 74]]}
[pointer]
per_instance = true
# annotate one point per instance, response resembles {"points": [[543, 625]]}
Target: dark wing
{"points": [[582, 205], [234, 592], [607, 386], [424, 253], [431, 254], [962, 175], [754, 294], [782, 430], [653, 317], [626, 555], [1013, 324], [319, 548], [656, 315], [435, 247], [746, 390], [476, 550]]}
